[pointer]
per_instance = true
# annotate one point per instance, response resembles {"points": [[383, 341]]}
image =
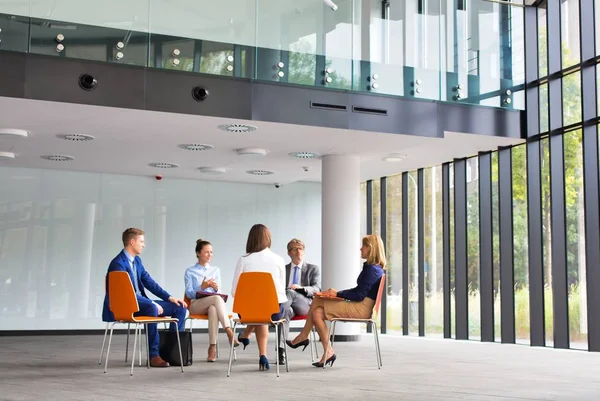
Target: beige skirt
{"points": [[345, 309]]}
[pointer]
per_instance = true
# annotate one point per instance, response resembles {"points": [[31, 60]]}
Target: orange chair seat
{"points": [[153, 319]]}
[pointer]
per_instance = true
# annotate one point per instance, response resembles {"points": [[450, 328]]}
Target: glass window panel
{"points": [[376, 222], [572, 98], [474, 303], [544, 117], [569, 21], [520, 241], [542, 40], [433, 234], [576, 262], [496, 246], [413, 260], [394, 254]]}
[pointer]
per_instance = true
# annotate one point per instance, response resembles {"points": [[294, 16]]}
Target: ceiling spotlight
{"points": [[60, 47], [394, 157], [260, 172], [58, 158], [76, 137], [237, 127], [60, 37], [280, 64], [14, 132], [305, 155], [163, 165], [330, 4], [196, 146], [280, 74], [230, 58], [212, 170], [7, 155], [252, 152]]}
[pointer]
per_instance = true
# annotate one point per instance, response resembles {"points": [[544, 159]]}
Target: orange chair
{"points": [[191, 317], [367, 321], [123, 304], [256, 309]]}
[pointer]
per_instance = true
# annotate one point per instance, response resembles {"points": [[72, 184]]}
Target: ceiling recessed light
{"points": [[212, 170], [305, 155], [163, 165], [237, 127], [14, 132], [58, 158], [76, 137], [196, 146], [7, 155], [260, 172], [394, 157], [252, 152]]}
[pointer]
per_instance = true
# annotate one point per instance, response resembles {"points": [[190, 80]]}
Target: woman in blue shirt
{"points": [[362, 299], [206, 278]]}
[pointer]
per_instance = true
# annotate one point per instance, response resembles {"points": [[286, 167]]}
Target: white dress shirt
{"points": [[292, 270], [264, 261]]}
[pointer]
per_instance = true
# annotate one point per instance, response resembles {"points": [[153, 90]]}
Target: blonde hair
{"points": [[376, 254]]}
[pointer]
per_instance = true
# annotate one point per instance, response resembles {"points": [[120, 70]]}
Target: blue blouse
{"points": [[194, 276], [367, 284]]}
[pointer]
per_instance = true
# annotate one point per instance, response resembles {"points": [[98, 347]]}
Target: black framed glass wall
{"points": [[516, 229]]}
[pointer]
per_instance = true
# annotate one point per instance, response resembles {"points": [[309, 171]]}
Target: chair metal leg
{"points": [[135, 337], [234, 351], [127, 343], [377, 347], [108, 349], [287, 367], [103, 341], [277, 356], [147, 346], [231, 351], [140, 346], [180, 354], [330, 340], [313, 345]]}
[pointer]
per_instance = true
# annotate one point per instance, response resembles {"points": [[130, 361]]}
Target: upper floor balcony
{"points": [[460, 51]]}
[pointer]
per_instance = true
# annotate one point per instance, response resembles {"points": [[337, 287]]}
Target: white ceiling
{"points": [[127, 140]]}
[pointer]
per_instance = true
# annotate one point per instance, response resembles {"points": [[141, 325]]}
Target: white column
{"points": [[340, 216]]}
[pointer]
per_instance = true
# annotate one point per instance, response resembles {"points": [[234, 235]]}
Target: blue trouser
{"points": [[169, 309]]}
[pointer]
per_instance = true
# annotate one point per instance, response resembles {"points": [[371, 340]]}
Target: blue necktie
{"points": [[135, 278], [296, 275]]}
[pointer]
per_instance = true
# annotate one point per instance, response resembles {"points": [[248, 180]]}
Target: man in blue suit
{"points": [[129, 261]]}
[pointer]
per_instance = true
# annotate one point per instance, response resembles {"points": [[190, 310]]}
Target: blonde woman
{"points": [[362, 299]]}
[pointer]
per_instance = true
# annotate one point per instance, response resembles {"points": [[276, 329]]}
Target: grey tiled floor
{"points": [[66, 368]]}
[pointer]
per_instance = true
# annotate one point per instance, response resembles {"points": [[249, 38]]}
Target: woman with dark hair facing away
{"points": [[260, 258], [362, 299], [202, 277]]}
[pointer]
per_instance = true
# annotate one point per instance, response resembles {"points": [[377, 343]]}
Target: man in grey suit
{"points": [[302, 281]]}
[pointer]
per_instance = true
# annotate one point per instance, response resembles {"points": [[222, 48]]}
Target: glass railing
{"points": [[464, 51]]}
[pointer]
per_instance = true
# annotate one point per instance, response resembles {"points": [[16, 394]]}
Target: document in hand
{"points": [[321, 295], [202, 294]]}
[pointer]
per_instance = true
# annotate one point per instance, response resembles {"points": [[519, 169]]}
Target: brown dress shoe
{"points": [[158, 362]]}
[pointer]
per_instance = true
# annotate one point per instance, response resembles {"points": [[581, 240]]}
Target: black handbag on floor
{"points": [[168, 350]]}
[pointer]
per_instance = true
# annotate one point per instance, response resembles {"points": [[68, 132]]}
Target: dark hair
{"points": [[259, 238], [201, 244], [131, 233]]}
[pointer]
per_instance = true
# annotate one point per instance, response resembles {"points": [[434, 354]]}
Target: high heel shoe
{"points": [[263, 363], [301, 343], [244, 341], [329, 361]]}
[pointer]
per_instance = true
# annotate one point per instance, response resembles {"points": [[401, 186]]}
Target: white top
{"points": [[264, 261]]}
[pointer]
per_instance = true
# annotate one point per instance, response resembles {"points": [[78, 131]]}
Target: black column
{"points": [[534, 185], [460, 249], [590, 174], [486, 257], [405, 252], [557, 181], [383, 231], [446, 249], [421, 250], [507, 281]]}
